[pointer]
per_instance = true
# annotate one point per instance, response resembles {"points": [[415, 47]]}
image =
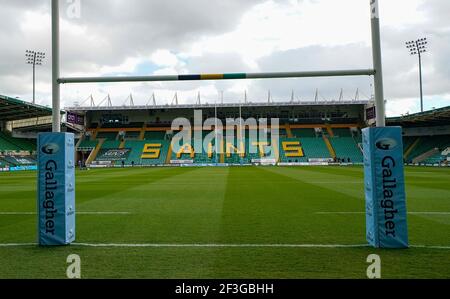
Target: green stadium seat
{"points": [[110, 144], [342, 132], [155, 135], [285, 159], [299, 133], [346, 147], [88, 144], [9, 143], [132, 135], [428, 143], [107, 135], [315, 148]]}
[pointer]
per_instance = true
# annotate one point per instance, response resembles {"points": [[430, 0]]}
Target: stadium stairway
{"points": [[439, 157], [142, 133], [289, 131], [410, 145], [222, 154], [77, 145], [330, 131], [427, 144], [95, 152], [122, 144], [329, 146], [426, 155]]}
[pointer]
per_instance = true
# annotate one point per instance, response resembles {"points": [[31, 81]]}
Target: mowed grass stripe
{"points": [[168, 208], [250, 205], [344, 182], [271, 212]]}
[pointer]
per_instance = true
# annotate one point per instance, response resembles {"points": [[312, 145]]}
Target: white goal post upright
{"points": [[377, 64], [56, 94]]}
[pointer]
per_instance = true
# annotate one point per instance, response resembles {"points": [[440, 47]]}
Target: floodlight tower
{"points": [[34, 58], [418, 47]]}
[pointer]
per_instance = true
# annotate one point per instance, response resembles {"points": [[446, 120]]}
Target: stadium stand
{"points": [[315, 148], [345, 148], [291, 151], [10, 143], [429, 144], [146, 153], [18, 160], [436, 159], [342, 132], [154, 135], [87, 144], [299, 133], [132, 135], [107, 135], [310, 133]]}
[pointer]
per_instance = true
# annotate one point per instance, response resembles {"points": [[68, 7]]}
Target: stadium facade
{"points": [[318, 132]]}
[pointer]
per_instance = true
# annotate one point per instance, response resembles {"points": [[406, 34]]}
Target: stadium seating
{"points": [[299, 133], [436, 159], [111, 144], [315, 148], [428, 143], [346, 147], [154, 135], [164, 149], [18, 160], [88, 144], [6, 146], [292, 155], [107, 135], [122, 126], [132, 135], [407, 142], [9, 143], [342, 132], [344, 143]]}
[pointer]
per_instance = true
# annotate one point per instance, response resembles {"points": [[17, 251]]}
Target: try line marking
{"points": [[154, 245], [411, 213], [78, 213]]}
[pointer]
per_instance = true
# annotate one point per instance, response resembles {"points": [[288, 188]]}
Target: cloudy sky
{"points": [[145, 37]]}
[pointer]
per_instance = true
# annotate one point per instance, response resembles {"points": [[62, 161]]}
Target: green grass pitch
{"points": [[232, 206]]}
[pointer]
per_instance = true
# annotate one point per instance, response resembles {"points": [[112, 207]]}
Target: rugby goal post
{"points": [[385, 205]]}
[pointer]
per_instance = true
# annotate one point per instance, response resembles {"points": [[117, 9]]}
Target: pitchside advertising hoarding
{"points": [[115, 154], [56, 189], [386, 223]]}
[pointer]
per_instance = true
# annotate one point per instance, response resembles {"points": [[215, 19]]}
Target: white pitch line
{"points": [[429, 213], [344, 213], [411, 213], [78, 213], [18, 244], [430, 247], [154, 245]]}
